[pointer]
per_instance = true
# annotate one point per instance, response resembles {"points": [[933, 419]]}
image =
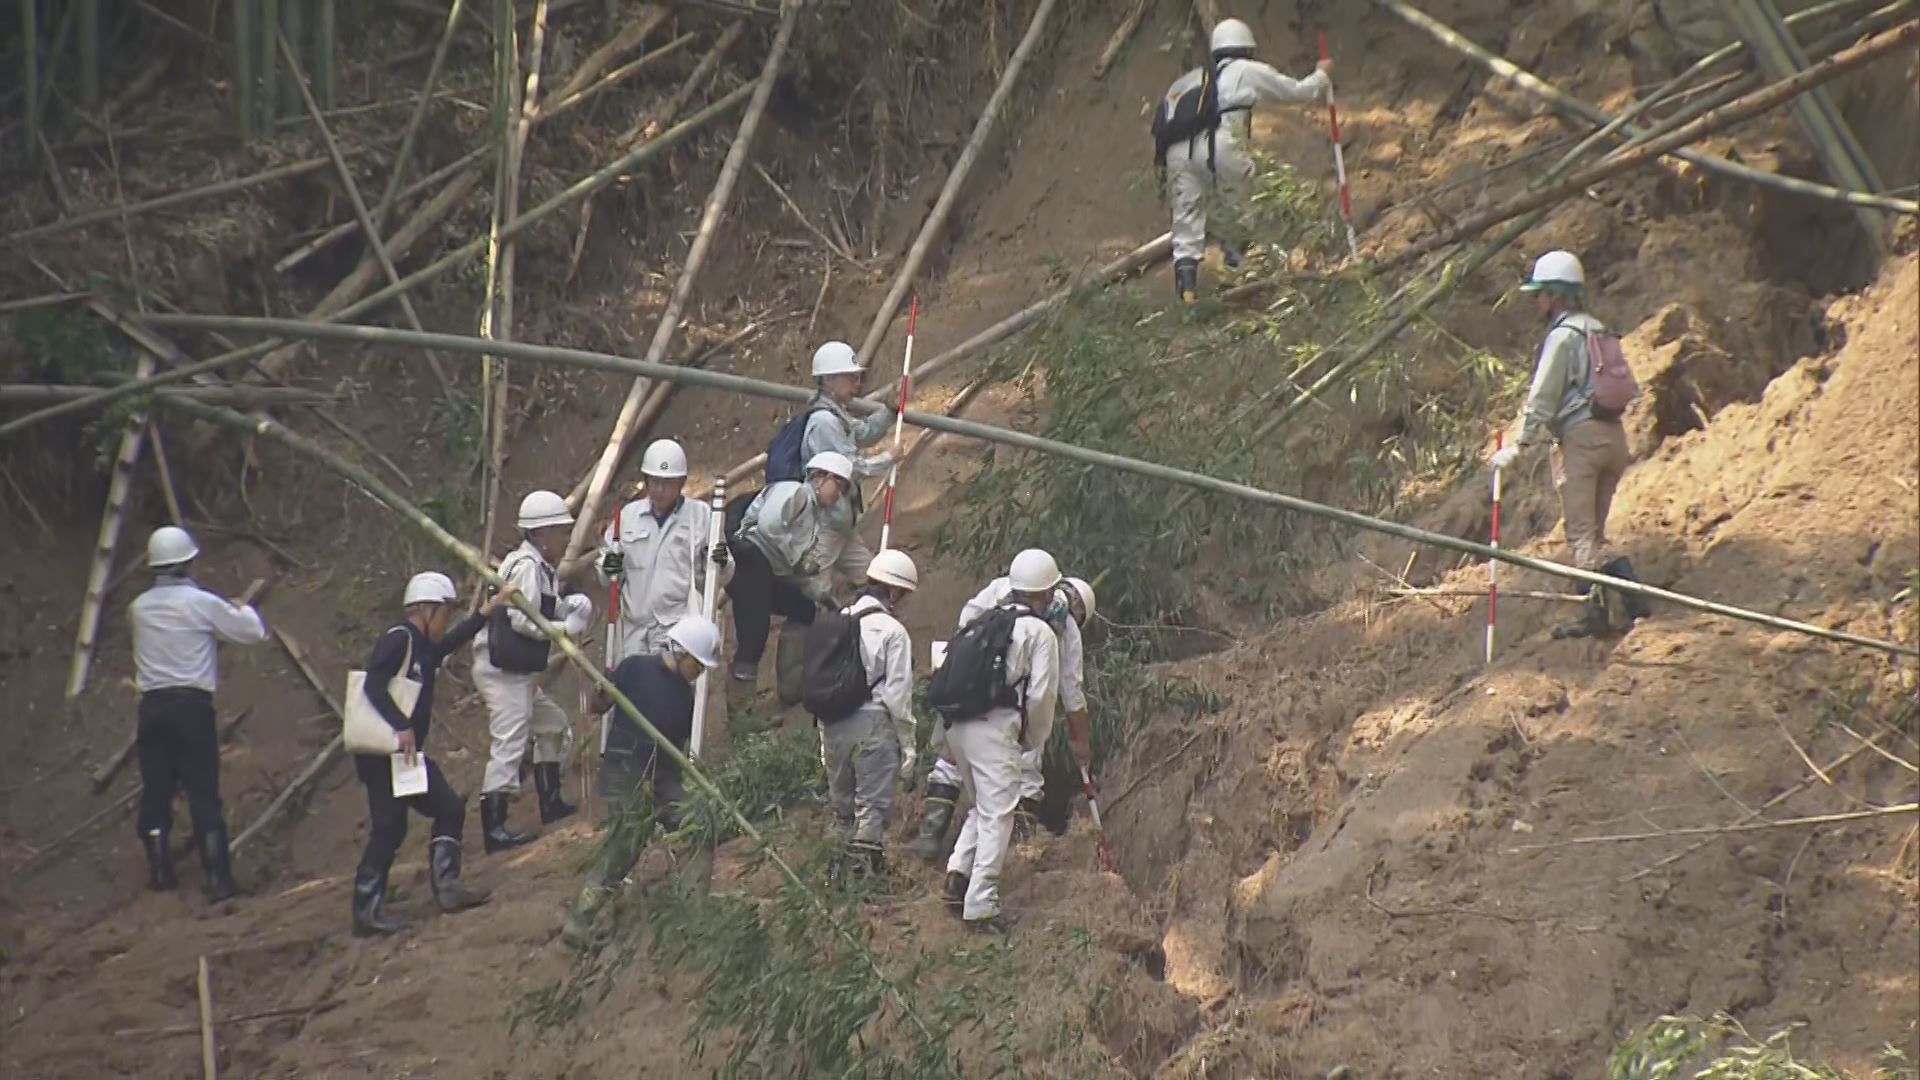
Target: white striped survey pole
{"points": [[1340, 162], [899, 423], [1493, 565], [715, 536]]}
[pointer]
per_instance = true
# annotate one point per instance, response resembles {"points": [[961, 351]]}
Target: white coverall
{"points": [[666, 567], [987, 752], [517, 707], [1073, 694], [1243, 83], [831, 427], [862, 753]]}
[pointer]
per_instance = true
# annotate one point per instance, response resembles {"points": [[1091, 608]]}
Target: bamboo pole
{"points": [[86, 636], [950, 193], [1572, 106], [672, 106], [293, 28], [244, 396], [359, 205], [268, 75], [89, 31], [740, 384], [209, 1053], [164, 473], [324, 47], [567, 100], [710, 218], [164, 202], [320, 760], [351, 226], [241, 23], [630, 35], [1740, 110], [476, 562], [412, 132], [8, 307], [30, 75], [1148, 254], [1121, 35], [605, 175]]}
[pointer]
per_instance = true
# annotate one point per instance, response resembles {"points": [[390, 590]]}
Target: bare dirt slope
{"points": [[1326, 872]]}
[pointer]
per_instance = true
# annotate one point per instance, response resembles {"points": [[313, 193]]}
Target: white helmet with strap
{"points": [[1033, 571], [664, 459], [836, 464], [1231, 36], [170, 545], [431, 587], [698, 638], [893, 567], [835, 358], [542, 509]]}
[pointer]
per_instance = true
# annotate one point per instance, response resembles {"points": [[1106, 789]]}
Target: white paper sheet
{"points": [[409, 779]]}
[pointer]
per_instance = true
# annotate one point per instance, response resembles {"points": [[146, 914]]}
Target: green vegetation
{"points": [[1719, 1048]]}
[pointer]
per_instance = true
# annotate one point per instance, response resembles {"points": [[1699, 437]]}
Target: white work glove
{"points": [[1504, 457], [578, 608], [909, 757], [881, 461]]}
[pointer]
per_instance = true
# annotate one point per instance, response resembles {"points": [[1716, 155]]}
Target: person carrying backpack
{"points": [[859, 685], [995, 693], [1200, 130], [1580, 387], [784, 556], [414, 649]]}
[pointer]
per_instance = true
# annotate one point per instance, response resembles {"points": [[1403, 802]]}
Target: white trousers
{"points": [[1032, 782], [518, 712], [987, 752], [1191, 186]]}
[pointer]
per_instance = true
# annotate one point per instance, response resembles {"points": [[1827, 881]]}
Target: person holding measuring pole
{"points": [[656, 549]]}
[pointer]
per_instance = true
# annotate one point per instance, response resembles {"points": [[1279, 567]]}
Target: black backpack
{"points": [[973, 678], [833, 676], [1192, 114], [783, 453]]}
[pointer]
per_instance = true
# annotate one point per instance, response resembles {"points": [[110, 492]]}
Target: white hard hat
{"points": [[828, 461], [170, 546], [544, 508], [893, 567], [699, 638], [1085, 590], [664, 458], [1230, 35], [835, 358], [1555, 268], [1033, 571], [431, 587]]}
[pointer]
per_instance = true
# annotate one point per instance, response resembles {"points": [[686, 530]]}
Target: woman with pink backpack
{"points": [[1581, 387]]}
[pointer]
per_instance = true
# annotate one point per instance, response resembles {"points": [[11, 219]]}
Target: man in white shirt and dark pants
{"points": [[862, 752], [987, 749], [177, 630]]}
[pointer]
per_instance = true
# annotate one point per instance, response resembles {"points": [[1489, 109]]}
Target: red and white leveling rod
{"points": [[1493, 565], [899, 423], [1340, 162]]}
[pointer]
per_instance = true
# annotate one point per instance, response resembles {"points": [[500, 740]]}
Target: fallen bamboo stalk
{"points": [[163, 202], [740, 384], [1147, 254], [247, 1018], [131, 439], [245, 396], [605, 175], [631, 35], [477, 563], [566, 101], [787, 201], [412, 131], [926, 439], [209, 1053], [349, 227], [320, 760], [1721, 830], [950, 192], [47, 300], [375, 245], [1505, 594], [1121, 35], [710, 218], [672, 106], [164, 472]]}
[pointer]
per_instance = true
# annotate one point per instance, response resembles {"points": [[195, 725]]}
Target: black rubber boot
{"points": [[934, 822], [954, 892], [546, 781], [370, 918], [214, 860], [1186, 280], [1637, 607], [866, 859], [443, 872], [159, 861], [1230, 253], [493, 821]]}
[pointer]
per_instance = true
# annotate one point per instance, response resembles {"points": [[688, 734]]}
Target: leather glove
{"points": [[720, 555], [613, 563], [1504, 457]]}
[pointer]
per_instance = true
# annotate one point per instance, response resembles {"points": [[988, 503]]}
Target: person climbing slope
{"points": [[414, 649], [177, 631], [1563, 406], [1201, 131]]}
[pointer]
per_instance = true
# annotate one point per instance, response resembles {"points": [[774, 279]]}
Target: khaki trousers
{"points": [[1593, 457]]}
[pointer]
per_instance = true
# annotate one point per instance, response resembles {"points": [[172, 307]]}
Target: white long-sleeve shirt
{"points": [[1562, 391], [1073, 694], [666, 564], [887, 651], [831, 427], [1244, 83], [1033, 657], [529, 572], [177, 630]]}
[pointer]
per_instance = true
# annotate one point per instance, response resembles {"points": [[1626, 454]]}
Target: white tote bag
{"points": [[365, 730]]}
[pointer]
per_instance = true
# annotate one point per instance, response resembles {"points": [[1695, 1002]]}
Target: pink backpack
{"points": [[1609, 378]]}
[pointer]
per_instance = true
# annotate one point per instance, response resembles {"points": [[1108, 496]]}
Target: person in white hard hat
{"points": [[508, 655], [414, 648], [177, 631], [987, 750], [656, 547], [660, 686], [1068, 611], [863, 751], [1215, 165], [831, 428], [784, 556], [1559, 409]]}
